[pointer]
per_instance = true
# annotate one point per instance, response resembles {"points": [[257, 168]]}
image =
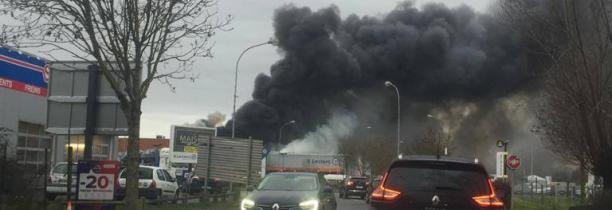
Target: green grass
{"points": [[190, 206], [542, 203]]}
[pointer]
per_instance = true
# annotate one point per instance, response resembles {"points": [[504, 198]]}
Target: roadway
{"points": [[353, 203]]}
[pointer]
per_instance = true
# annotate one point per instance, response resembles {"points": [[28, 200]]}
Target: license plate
{"points": [[359, 187]]}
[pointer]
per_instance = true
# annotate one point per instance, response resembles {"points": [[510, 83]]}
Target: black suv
{"points": [[355, 186], [435, 184], [291, 191]]}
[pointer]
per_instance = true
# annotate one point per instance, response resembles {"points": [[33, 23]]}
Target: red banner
{"points": [[22, 87]]}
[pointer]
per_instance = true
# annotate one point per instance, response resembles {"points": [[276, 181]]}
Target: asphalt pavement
{"points": [[353, 203]]}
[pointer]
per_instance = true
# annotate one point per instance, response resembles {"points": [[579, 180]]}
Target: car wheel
{"points": [[363, 197], [51, 197]]}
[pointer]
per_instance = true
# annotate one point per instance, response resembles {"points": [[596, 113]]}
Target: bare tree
{"points": [[433, 142], [142, 38], [571, 41]]}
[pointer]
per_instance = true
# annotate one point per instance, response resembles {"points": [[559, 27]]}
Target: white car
{"points": [[58, 179], [153, 183]]}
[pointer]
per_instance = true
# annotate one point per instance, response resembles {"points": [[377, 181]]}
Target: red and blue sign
{"points": [[97, 180], [22, 72]]}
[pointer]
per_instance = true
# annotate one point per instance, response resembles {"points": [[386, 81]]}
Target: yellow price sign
{"points": [[190, 149]]}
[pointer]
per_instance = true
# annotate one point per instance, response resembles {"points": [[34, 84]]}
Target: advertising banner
{"points": [[22, 72], [184, 142], [97, 179]]}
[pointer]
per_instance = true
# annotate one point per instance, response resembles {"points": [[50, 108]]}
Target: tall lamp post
{"points": [[280, 131], [390, 84], [271, 42]]}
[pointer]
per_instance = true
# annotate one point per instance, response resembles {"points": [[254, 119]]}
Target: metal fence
{"points": [[21, 187]]}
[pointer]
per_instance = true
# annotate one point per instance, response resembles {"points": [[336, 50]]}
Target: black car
{"points": [[435, 184], [355, 186], [291, 191]]}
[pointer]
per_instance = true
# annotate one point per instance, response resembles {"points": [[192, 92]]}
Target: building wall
{"points": [[19, 106]]}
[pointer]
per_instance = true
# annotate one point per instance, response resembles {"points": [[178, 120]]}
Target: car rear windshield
{"points": [[435, 178], [143, 173], [358, 181]]}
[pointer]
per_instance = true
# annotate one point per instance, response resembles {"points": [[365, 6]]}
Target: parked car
{"points": [[432, 183], [58, 180], [290, 190], [355, 186], [153, 183]]}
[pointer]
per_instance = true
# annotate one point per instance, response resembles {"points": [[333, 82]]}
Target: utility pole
{"points": [[271, 42]]}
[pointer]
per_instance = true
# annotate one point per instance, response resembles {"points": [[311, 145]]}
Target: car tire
{"points": [[51, 197]]}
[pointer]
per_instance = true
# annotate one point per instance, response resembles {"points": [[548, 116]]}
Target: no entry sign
{"points": [[513, 162]]}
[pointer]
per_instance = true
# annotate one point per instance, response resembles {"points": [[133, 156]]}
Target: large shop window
{"points": [[100, 149], [31, 143]]}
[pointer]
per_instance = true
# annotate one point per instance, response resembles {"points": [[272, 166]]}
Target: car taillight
{"points": [[153, 185], [384, 194], [490, 200], [349, 183]]}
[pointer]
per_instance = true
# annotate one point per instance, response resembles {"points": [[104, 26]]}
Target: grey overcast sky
{"points": [[252, 24]]}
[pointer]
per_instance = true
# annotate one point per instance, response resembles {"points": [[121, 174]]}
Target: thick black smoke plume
{"points": [[437, 56]]}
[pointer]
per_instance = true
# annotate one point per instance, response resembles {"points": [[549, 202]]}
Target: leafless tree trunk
{"points": [[127, 40], [433, 142], [572, 41]]}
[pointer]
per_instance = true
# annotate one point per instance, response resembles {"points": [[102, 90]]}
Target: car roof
{"points": [[430, 158], [151, 167], [296, 173], [442, 160]]}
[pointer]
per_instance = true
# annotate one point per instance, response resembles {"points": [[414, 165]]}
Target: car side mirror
{"points": [[328, 189], [250, 188]]}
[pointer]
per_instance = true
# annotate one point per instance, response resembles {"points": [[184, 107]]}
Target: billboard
{"points": [[22, 72], [184, 142], [67, 102], [97, 179], [232, 160], [329, 164]]}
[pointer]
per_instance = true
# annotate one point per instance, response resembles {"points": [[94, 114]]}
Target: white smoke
{"points": [[324, 140]]}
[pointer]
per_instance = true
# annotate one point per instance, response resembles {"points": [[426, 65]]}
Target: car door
{"points": [[328, 198], [162, 183], [172, 185]]}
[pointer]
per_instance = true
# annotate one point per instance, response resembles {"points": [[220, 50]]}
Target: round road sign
{"points": [[513, 162]]}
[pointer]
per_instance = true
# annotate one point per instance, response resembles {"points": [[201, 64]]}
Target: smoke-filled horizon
{"points": [[452, 62]]}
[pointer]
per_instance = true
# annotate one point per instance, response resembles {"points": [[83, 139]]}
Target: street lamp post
{"points": [[280, 131], [389, 84], [271, 42]]}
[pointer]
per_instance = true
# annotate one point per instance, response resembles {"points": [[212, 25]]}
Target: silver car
{"points": [[58, 180]]}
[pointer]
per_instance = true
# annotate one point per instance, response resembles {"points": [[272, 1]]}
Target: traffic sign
{"points": [[513, 162], [97, 179]]}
